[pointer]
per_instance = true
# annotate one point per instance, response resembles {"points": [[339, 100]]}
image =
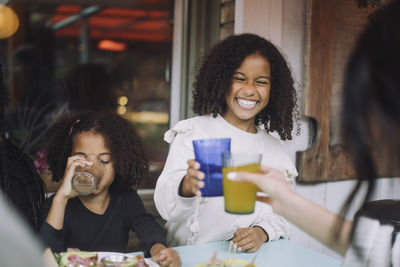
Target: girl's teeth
{"points": [[247, 103]]}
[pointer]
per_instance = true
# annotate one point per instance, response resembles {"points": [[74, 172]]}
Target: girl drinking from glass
{"points": [[101, 220]]}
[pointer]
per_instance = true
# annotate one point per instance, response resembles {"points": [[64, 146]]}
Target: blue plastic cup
{"points": [[208, 152]]}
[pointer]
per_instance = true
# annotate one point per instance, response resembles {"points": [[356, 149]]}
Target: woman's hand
{"points": [[193, 180], [249, 239], [65, 190], [271, 181], [308, 216], [165, 257]]}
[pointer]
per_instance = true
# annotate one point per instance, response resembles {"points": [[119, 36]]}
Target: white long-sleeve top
{"points": [[374, 244], [203, 219]]}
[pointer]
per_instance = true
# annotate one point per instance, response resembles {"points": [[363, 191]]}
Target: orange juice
{"points": [[240, 197]]}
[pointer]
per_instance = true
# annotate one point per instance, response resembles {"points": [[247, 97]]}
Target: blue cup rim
{"points": [[210, 139]]}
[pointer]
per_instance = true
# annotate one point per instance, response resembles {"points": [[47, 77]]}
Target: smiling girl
{"points": [[101, 220], [243, 90]]}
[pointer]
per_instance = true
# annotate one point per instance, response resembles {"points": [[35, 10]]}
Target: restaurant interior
{"points": [[139, 58]]}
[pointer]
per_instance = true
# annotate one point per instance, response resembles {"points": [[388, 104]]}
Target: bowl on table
{"points": [[118, 260]]}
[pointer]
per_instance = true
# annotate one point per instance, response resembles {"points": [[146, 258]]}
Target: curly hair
{"points": [[214, 81], [127, 154]]}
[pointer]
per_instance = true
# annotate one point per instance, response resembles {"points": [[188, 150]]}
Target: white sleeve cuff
{"points": [[275, 226]]}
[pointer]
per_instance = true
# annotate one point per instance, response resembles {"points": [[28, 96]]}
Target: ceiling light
{"points": [[9, 22], [111, 45]]}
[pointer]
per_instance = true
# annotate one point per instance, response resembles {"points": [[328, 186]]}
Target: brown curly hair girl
{"points": [[127, 155], [214, 81]]}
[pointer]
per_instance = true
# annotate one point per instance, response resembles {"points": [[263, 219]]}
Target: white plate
{"points": [[102, 254]]}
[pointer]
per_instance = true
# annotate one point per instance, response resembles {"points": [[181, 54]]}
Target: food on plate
{"points": [[77, 258], [215, 262], [140, 262], [119, 260], [228, 263]]}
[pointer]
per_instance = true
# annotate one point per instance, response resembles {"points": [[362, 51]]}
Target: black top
{"points": [[89, 231]]}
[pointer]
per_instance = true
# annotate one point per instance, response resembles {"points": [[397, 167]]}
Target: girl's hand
{"points": [[65, 190], [166, 257], [193, 180], [271, 181], [249, 239]]}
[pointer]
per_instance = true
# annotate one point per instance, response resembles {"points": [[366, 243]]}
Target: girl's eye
{"points": [[239, 79], [262, 82], [105, 159]]}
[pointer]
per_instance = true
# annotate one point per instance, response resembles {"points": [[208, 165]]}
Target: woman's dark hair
{"points": [[371, 115], [127, 155], [214, 81]]}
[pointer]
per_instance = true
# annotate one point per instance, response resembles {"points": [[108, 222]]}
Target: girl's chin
{"points": [[246, 115], [96, 191], [100, 189]]}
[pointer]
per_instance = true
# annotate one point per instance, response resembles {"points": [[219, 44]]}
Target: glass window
{"points": [[69, 55]]}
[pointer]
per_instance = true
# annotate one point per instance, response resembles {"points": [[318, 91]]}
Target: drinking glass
{"points": [[87, 177], [208, 152], [240, 197]]}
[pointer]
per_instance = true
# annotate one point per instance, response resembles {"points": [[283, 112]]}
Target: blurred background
{"points": [[71, 55]]}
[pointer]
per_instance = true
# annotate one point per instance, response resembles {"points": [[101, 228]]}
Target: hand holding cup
{"points": [[271, 181], [72, 163], [193, 180], [208, 154], [87, 177], [240, 197]]}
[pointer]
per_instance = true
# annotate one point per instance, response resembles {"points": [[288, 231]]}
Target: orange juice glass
{"points": [[240, 197]]}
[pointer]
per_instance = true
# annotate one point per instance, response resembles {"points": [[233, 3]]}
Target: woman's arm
{"points": [[310, 217], [317, 221]]}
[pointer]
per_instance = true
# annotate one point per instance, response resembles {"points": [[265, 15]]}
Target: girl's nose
{"points": [[249, 89], [91, 157]]}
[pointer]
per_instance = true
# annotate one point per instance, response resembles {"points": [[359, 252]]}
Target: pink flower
{"points": [[41, 161]]}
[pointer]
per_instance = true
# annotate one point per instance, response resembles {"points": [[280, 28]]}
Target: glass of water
{"points": [[86, 178]]}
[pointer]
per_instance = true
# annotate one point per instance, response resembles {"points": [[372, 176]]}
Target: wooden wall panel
{"points": [[332, 28]]}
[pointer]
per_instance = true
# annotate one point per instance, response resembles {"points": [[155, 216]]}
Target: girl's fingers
{"points": [[72, 164], [193, 164], [195, 179], [168, 258], [195, 186], [195, 174], [78, 158], [246, 245], [73, 158]]}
